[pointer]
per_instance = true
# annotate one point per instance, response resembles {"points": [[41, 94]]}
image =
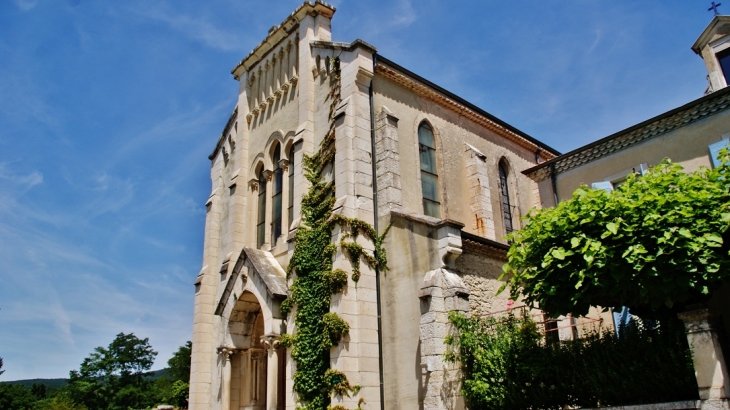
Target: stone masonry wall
{"points": [[479, 273]]}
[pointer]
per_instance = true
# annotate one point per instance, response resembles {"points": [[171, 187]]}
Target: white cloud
{"points": [[196, 27], [24, 182], [26, 5]]}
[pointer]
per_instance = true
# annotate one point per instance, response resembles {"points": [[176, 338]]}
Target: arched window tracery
{"points": [[504, 197], [429, 171]]}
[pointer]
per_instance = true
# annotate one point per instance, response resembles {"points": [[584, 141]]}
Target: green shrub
{"points": [[507, 365]]}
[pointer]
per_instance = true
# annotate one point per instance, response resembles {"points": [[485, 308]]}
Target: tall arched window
{"points": [[276, 196], [429, 173], [261, 219], [291, 185], [504, 194]]}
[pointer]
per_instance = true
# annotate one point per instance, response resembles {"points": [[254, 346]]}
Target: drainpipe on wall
{"points": [[555, 185], [375, 227]]}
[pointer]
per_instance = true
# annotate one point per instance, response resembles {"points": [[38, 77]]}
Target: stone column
{"points": [[268, 174], [442, 291], [481, 201], [226, 396], [271, 344], [285, 222], [387, 161], [711, 371]]}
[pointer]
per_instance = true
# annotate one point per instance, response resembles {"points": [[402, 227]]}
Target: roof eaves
{"points": [[720, 95]]}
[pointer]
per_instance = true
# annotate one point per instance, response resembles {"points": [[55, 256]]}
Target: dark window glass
{"points": [[724, 58], [261, 220], [506, 206], [278, 181], [291, 186], [429, 173]]}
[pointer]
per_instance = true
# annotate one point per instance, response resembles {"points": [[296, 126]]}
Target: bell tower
{"points": [[713, 46]]}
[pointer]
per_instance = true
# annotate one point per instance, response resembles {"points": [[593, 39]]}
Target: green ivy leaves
{"points": [[318, 329]]}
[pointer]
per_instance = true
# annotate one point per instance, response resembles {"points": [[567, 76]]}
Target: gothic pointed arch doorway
{"points": [[251, 361]]}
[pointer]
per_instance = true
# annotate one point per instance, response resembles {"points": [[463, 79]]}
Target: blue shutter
{"points": [[621, 318], [715, 151], [604, 185]]}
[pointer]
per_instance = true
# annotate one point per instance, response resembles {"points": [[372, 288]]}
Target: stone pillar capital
{"points": [[271, 341], [268, 174], [227, 351]]}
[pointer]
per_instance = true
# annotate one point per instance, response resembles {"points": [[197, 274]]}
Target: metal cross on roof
{"points": [[714, 7]]}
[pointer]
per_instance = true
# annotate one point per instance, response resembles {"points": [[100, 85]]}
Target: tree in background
{"points": [[179, 364], [115, 377], [16, 396], [657, 243], [179, 370]]}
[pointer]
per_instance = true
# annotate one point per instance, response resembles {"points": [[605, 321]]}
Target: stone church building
{"points": [[442, 173]]}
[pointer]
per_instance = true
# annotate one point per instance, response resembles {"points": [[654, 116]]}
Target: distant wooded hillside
{"points": [[62, 382]]}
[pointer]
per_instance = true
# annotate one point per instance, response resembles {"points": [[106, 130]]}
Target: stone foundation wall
{"points": [[479, 273]]}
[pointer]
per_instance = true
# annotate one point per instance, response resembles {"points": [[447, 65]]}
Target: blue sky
{"points": [[109, 109]]}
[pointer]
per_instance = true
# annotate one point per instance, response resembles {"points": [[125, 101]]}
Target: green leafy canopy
{"points": [[657, 242]]}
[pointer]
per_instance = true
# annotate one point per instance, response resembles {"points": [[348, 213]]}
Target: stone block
{"points": [[434, 346], [368, 364], [364, 191], [365, 179], [368, 322], [365, 294], [389, 179], [456, 303], [434, 330], [432, 316], [369, 378], [345, 363], [368, 336], [368, 349], [433, 403]]}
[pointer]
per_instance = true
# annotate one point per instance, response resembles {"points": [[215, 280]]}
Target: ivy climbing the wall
{"points": [[315, 280]]}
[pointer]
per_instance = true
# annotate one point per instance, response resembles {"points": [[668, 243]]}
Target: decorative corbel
{"points": [[278, 93], [285, 87], [249, 117], [284, 164], [270, 100], [253, 184], [268, 174], [315, 72], [294, 80]]}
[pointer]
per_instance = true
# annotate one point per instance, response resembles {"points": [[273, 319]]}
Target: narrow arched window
{"points": [[504, 194], [429, 173], [291, 185], [261, 219], [278, 181]]}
